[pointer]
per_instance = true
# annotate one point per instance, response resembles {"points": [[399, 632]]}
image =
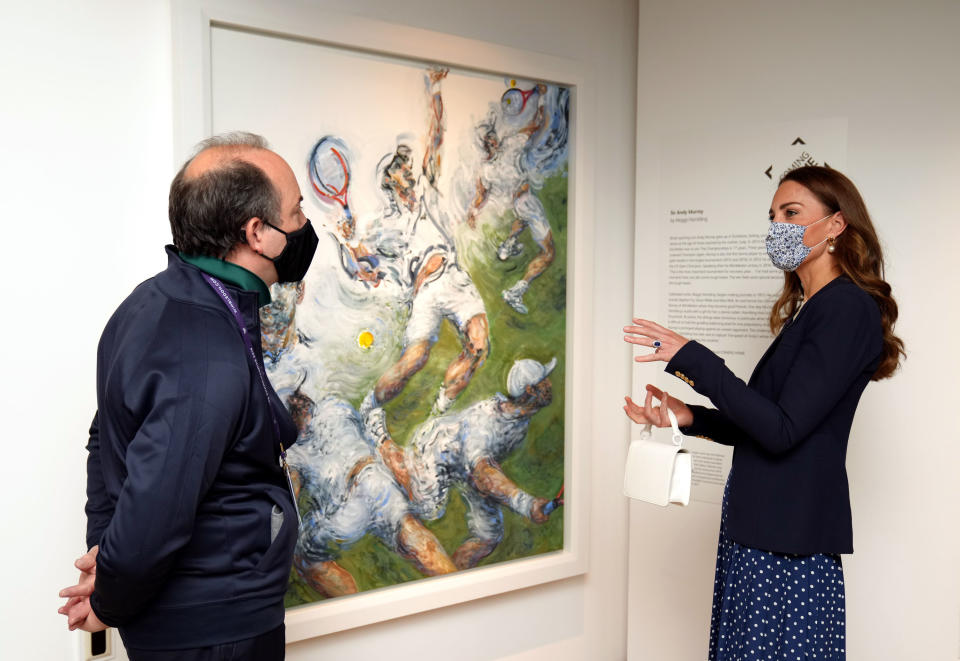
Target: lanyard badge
{"points": [[293, 494]]}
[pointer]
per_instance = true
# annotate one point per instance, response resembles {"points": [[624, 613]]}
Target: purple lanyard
{"points": [[221, 291]]}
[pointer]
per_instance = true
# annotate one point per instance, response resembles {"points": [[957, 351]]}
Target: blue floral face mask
{"points": [[785, 245]]}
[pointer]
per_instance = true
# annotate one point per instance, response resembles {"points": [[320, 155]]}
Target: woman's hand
{"points": [[657, 415], [664, 341]]}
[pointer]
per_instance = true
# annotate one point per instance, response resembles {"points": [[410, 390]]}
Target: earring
{"points": [[831, 245]]}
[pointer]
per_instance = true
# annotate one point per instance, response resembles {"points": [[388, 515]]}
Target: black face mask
{"points": [[294, 260]]}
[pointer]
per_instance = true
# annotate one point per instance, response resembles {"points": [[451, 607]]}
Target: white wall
{"points": [[87, 159], [891, 68], [86, 164]]}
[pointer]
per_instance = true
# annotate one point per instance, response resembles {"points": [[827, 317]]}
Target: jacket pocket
{"points": [[283, 536]]}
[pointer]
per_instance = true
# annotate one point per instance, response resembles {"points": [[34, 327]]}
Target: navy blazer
{"points": [[790, 423]]}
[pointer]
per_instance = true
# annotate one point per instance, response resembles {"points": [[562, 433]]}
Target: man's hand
{"points": [[87, 564], [537, 514], [90, 622], [77, 609], [345, 227]]}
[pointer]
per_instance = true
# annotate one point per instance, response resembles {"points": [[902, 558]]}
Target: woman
{"points": [[786, 511]]}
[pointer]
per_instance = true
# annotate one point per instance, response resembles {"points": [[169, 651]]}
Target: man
{"points": [[504, 172], [191, 521], [463, 450], [349, 492], [440, 288]]}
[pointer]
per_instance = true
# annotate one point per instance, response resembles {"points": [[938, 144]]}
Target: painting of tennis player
{"points": [[423, 355]]}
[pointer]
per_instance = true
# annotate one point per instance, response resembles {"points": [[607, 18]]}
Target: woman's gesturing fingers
{"points": [[657, 415], [680, 409], [664, 406], [648, 408], [664, 342], [634, 412]]}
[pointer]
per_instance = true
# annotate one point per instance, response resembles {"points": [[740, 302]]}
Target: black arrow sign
{"points": [[769, 169], [798, 141]]}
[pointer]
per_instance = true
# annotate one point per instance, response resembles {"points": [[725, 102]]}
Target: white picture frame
{"points": [[193, 21]]}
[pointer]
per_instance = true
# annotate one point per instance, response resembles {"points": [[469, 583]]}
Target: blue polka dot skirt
{"points": [[775, 606]]}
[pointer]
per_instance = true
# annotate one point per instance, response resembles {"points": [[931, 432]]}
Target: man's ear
{"points": [[253, 234], [531, 390]]}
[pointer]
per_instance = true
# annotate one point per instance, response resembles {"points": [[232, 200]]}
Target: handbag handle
{"points": [[677, 438]]}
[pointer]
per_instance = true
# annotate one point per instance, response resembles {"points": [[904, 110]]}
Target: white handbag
{"points": [[657, 472]]}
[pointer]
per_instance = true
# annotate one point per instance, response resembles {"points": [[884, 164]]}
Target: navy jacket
{"points": [[183, 473], [790, 423]]}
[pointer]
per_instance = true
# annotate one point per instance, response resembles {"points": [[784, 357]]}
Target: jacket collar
{"points": [[230, 274], [183, 282]]}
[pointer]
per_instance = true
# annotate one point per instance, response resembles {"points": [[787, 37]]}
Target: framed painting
{"points": [[435, 356]]}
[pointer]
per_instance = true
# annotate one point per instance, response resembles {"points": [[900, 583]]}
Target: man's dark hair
{"points": [[208, 211]]}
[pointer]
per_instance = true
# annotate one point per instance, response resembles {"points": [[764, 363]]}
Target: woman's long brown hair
{"points": [[858, 253]]}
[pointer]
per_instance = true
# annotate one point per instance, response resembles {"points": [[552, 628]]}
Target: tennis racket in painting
{"points": [[556, 502], [514, 100], [329, 169]]}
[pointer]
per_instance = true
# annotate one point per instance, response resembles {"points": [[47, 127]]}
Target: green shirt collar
{"points": [[232, 274]]}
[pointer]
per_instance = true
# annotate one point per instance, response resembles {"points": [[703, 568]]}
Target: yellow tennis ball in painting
{"points": [[365, 340]]}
